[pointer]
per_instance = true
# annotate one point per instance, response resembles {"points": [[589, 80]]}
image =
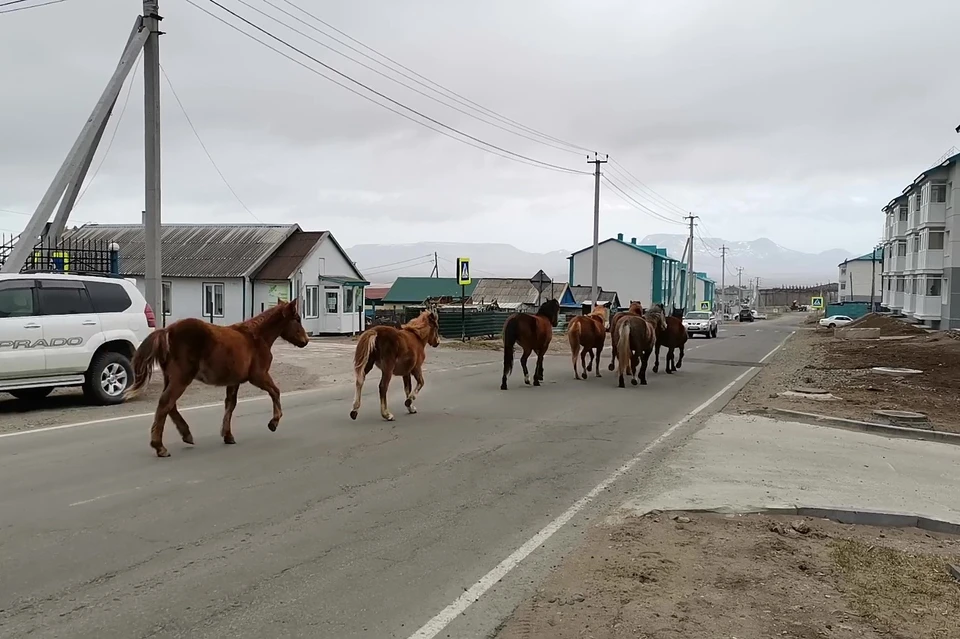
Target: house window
{"points": [[311, 303], [901, 248], [843, 286], [903, 213], [935, 240], [166, 297], [901, 285], [916, 202], [933, 287], [348, 293], [212, 299], [916, 243], [332, 300], [938, 193]]}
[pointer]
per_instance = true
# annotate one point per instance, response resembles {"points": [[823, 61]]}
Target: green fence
{"points": [[487, 324]]}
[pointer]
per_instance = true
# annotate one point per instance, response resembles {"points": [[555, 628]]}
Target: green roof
{"points": [[414, 290]]}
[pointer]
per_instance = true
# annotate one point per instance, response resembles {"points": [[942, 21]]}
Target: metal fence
{"points": [[65, 256], [485, 324]]}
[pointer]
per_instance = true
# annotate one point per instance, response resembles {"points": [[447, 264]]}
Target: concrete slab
{"points": [[746, 462]]}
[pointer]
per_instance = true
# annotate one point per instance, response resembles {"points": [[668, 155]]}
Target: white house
{"points": [[227, 273], [860, 277]]}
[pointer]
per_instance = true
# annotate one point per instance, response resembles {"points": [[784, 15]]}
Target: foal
{"points": [[587, 333], [395, 351]]}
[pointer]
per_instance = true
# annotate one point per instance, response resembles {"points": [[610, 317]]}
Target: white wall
{"points": [[625, 270], [186, 299], [857, 280]]}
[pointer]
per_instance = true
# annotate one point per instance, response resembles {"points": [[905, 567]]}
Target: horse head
{"points": [[656, 312], [636, 308], [551, 310], [291, 328]]}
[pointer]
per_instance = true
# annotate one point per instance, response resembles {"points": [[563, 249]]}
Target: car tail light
{"points": [[151, 318]]}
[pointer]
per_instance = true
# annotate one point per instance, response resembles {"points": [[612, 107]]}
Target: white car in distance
{"points": [[835, 320], [701, 323]]}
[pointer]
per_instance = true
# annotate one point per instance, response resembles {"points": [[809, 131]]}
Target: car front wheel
{"points": [[110, 375]]}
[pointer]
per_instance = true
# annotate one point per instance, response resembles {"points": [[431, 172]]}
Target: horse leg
{"points": [[167, 403], [584, 366], [669, 361], [523, 364], [644, 358], [596, 359], [229, 403], [656, 361], [361, 377], [182, 427], [679, 361], [408, 392], [634, 360], [538, 370], [411, 397], [613, 353], [574, 348], [264, 382], [384, 385]]}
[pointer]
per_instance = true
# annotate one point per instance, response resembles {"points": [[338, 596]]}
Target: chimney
{"points": [[620, 236], [633, 240]]}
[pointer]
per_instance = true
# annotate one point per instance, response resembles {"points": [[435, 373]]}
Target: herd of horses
{"points": [[191, 350]]}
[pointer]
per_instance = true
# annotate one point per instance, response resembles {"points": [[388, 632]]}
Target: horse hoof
{"points": [[408, 402], [621, 385], [412, 409], [633, 381], [503, 387], [657, 369], [610, 367], [272, 425], [353, 414], [643, 383], [527, 382], [584, 376], [536, 382], [229, 440], [389, 417], [589, 367], [188, 439], [163, 452]]}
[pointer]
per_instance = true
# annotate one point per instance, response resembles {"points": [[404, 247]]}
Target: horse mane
{"points": [[547, 308], [599, 311], [419, 324], [255, 323]]}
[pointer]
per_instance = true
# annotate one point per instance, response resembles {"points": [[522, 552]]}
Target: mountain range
{"points": [[774, 264]]}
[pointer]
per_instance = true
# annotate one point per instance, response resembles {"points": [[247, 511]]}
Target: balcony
{"points": [[932, 214], [900, 229], [928, 307], [912, 260], [898, 264], [898, 300], [930, 260], [909, 303]]}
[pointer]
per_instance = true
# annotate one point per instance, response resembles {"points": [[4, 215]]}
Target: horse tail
{"points": [[573, 336], [511, 332], [365, 346], [155, 349], [623, 346]]}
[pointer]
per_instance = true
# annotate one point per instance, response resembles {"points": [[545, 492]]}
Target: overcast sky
{"points": [[795, 121]]}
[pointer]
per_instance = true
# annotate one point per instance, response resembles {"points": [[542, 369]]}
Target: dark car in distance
{"points": [[745, 315]]}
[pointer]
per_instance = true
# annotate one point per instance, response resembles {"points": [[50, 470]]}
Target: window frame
{"points": [[943, 240], [213, 301], [308, 311], [327, 290], [60, 285], [24, 284], [166, 298]]}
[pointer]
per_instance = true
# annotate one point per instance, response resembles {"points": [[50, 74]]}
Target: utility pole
{"points": [[596, 161], [436, 267], [739, 287], [691, 304], [151, 122], [723, 277], [873, 280]]}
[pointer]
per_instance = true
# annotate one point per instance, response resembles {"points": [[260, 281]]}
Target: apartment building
{"points": [[921, 256], [860, 277]]}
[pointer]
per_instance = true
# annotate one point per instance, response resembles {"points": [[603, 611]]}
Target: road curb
{"points": [[875, 428], [843, 516]]}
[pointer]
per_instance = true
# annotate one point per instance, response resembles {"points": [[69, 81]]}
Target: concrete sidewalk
{"points": [[743, 462]]}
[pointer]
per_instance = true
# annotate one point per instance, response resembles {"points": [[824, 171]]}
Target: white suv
{"points": [[70, 330], [701, 322]]}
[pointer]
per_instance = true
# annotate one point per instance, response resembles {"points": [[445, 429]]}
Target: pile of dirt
{"points": [[751, 577], [889, 326]]}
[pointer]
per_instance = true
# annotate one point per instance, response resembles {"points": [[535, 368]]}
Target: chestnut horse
{"points": [[586, 333], [673, 337], [636, 309], [395, 351], [636, 338], [533, 333], [191, 349]]}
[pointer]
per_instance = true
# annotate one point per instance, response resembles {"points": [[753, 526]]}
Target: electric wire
{"points": [[638, 205], [32, 6]]}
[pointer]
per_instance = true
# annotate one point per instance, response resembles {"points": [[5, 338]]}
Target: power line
{"points": [[667, 202], [32, 6], [412, 259], [204, 146], [638, 205], [623, 179], [397, 268], [390, 78], [513, 155], [450, 93]]}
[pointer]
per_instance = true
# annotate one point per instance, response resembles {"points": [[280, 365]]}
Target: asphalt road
{"points": [[329, 527]]}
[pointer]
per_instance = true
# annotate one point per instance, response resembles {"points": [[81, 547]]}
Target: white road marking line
{"points": [[259, 398], [764, 358], [99, 497], [446, 616]]}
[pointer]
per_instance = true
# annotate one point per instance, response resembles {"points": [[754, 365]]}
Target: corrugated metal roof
{"points": [[290, 255], [193, 250], [581, 294], [415, 290], [503, 290]]}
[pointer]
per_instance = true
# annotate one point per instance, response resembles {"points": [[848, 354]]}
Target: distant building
{"points": [[921, 235], [414, 291], [860, 277], [515, 293]]}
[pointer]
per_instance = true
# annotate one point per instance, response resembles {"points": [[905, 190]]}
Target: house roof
{"points": [[291, 254], [509, 290], [417, 289], [375, 292], [703, 276], [866, 257], [943, 163], [192, 250], [648, 249], [581, 294]]}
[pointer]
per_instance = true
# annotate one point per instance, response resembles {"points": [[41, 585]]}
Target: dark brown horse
{"points": [[395, 351], [533, 333], [228, 356], [636, 309], [586, 334], [636, 339], [673, 336]]}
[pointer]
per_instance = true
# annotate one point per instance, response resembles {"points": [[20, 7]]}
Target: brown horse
{"points": [[395, 351], [636, 338], [228, 356], [673, 336], [586, 333], [636, 309], [533, 333]]}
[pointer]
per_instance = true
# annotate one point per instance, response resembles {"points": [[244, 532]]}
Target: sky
{"points": [[787, 120]]}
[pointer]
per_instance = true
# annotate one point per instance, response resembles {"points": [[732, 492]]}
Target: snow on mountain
{"points": [[774, 264]]}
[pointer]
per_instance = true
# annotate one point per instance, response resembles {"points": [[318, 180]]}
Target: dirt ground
{"points": [[815, 358], [695, 576]]}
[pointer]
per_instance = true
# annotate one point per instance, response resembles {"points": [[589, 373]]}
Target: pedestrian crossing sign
{"points": [[463, 271], [816, 302], [704, 306]]}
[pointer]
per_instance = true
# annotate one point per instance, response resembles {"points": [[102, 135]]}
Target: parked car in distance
{"points": [[835, 320], [758, 315], [746, 315], [61, 330], [701, 323]]}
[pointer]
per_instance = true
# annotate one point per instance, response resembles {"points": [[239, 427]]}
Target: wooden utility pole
{"points": [[151, 122], [596, 161], [723, 278], [691, 304]]}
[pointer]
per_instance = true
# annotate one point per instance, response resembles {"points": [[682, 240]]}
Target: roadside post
{"points": [[463, 279]]}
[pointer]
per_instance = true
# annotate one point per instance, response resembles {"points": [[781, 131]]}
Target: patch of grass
{"points": [[898, 591]]}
